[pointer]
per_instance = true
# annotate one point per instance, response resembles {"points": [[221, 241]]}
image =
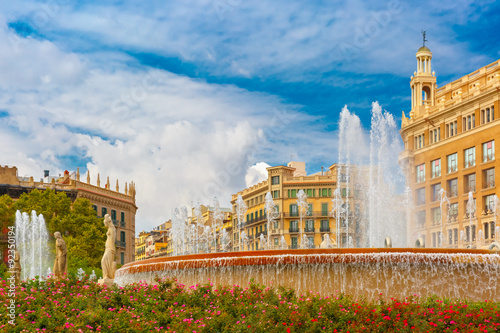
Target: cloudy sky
{"points": [[184, 97]]}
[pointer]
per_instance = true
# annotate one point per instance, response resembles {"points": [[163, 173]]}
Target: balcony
{"points": [[257, 235], [293, 230], [324, 229], [122, 224], [309, 229], [120, 244], [115, 222]]}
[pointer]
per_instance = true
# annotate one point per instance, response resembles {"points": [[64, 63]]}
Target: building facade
{"points": [[120, 206], [284, 183], [450, 156]]}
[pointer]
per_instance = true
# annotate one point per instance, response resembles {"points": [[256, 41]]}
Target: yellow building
{"points": [[140, 248], [449, 142], [208, 219], [284, 182]]}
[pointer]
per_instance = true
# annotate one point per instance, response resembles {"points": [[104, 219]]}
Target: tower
{"points": [[423, 83]]}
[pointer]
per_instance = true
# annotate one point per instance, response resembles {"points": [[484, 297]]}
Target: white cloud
{"points": [[256, 173], [180, 140]]}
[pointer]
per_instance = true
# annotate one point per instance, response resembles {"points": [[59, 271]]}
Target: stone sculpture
{"points": [[326, 243], [61, 262], [108, 262], [17, 267]]}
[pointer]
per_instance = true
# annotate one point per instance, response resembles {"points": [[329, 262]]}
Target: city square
{"points": [[229, 166]]}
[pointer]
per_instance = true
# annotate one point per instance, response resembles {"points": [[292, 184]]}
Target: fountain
{"points": [[32, 241], [355, 262]]}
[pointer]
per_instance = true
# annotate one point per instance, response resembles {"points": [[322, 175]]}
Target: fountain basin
{"points": [[392, 272]]}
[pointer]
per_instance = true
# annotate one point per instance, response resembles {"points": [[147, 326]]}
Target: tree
{"points": [[7, 212], [83, 232]]}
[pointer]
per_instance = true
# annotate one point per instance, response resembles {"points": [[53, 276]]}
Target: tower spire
{"points": [[423, 38]]}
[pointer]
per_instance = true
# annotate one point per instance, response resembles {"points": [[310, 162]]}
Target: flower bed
{"points": [[83, 306]]}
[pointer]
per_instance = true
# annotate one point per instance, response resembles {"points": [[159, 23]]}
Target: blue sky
{"points": [[168, 94]]}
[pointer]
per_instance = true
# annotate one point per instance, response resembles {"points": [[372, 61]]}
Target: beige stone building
{"points": [[120, 205], [450, 141]]}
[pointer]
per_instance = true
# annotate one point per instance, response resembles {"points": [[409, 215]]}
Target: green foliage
{"points": [[7, 212]]}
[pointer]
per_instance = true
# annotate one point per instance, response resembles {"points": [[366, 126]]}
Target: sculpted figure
{"points": [[108, 262], [61, 262], [17, 266], [326, 243]]}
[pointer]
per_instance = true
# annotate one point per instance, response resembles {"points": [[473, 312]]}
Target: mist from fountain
{"points": [[443, 203], [377, 184], [471, 211], [271, 214], [32, 240]]}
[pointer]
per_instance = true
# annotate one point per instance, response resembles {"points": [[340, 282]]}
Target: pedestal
{"points": [[107, 282]]}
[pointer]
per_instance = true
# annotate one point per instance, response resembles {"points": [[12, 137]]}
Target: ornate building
{"points": [[284, 183], [120, 206], [450, 157]]}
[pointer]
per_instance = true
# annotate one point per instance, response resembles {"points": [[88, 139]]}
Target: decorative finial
{"points": [[107, 184], [126, 188], [88, 176], [98, 180], [78, 174], [423, 37], [117, 186]]}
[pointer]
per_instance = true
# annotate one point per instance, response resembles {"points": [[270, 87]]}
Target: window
{"points": [[294, 210], [309, 192], [492, 229], [455, 236], [94, 207], [489, 151], [276, 194], [435, 135], [419, 141], [489, 203], [309, 209], [104, 211], [435, 192], [344, 193], [276, 241], [486, 231], [469, 157], [421, 218], [489, 178], [436, 215], [470, 183], [420, 196], [451, 129], [488, 115], [454, 210], [452, 162], [420, 173], [436, 168], [453, 187], [275, 180], [325, 225], [469, 122], [292, 193], [324, 209], [294, 243], [309, 225], [122, 258], [122, 236], [113, 214], [122, 217], [311, 242]]}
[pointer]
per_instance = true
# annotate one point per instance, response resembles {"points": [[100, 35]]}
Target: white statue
{"points": [[108, 262]]}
